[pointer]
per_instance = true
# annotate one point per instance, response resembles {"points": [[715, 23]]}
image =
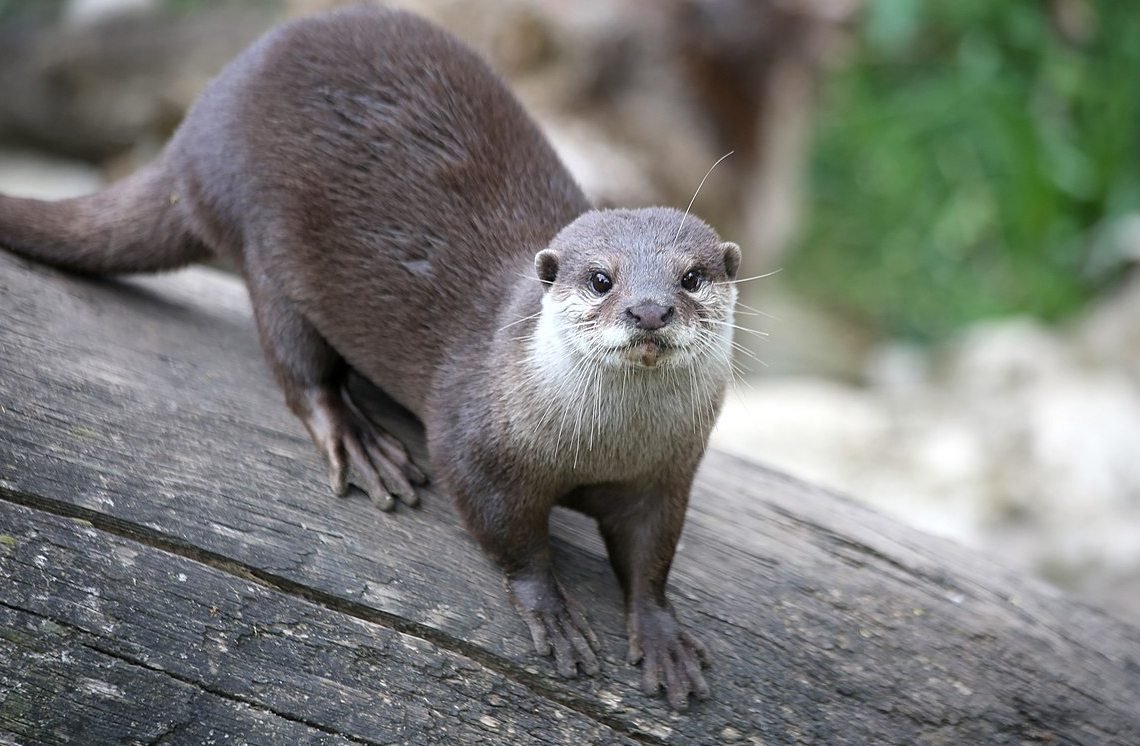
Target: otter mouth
{"points": [[646, 353]]}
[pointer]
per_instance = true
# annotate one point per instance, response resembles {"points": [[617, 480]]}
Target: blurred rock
{"points": [[84, 12], [1109, 333], [29, 174], [783, 336], [609, 174], [1018, 439], [97, 90]]}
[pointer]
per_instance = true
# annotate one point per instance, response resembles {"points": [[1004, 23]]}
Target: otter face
{"points": [[646, 289]]}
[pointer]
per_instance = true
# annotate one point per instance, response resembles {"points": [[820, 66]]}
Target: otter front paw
{"points": [[668, 653], [556, 623], [347, 438]]}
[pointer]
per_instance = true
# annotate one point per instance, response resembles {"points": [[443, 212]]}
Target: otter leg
{"points": [[641, 531], [313, 377], [515, 534]]}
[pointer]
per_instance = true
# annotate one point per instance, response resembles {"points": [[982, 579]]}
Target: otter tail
{"points": [[135, 225]]}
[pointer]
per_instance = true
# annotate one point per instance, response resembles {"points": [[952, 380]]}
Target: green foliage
{"points": [[969, 162], [23, 10]]}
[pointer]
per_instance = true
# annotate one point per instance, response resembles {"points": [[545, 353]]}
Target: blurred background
{"points": [[948, 192]]}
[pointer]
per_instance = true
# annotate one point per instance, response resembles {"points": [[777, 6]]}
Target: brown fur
{"points": [[384, 197]]}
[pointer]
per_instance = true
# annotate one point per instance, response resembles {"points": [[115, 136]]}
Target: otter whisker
{"points": [[694, 199], [737, 327], [755, 311], [750, 279], [738, 374], [745, 351], [534, 315]]}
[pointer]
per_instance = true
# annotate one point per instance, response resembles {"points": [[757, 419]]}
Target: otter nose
{"points": [[650, 316]]}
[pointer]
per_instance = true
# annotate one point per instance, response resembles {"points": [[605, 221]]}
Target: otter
{"points": [[395, 212]]}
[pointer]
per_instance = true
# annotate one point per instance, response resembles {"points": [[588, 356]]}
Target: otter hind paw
{"points": [[350, 440]]}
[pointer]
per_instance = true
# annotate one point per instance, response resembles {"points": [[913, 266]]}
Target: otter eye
{"points": [[601, 282], [691, 280]]}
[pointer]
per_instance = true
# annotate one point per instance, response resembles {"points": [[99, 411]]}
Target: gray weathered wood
{"points": [[116, 641], [142, 407]]}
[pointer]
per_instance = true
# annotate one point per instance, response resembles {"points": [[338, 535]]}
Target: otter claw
{"points": [[392, 464], [670, 656], [557, 625], [347, 438], [413, 473]]}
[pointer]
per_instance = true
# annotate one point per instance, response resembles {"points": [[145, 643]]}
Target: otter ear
{"points": [[731, 258], [546, 265]]}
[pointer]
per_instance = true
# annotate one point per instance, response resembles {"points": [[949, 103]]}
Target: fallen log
{"points": [[174, 569]]}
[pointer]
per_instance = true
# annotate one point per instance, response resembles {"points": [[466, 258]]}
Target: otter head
{"points": [[644, 288]]}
